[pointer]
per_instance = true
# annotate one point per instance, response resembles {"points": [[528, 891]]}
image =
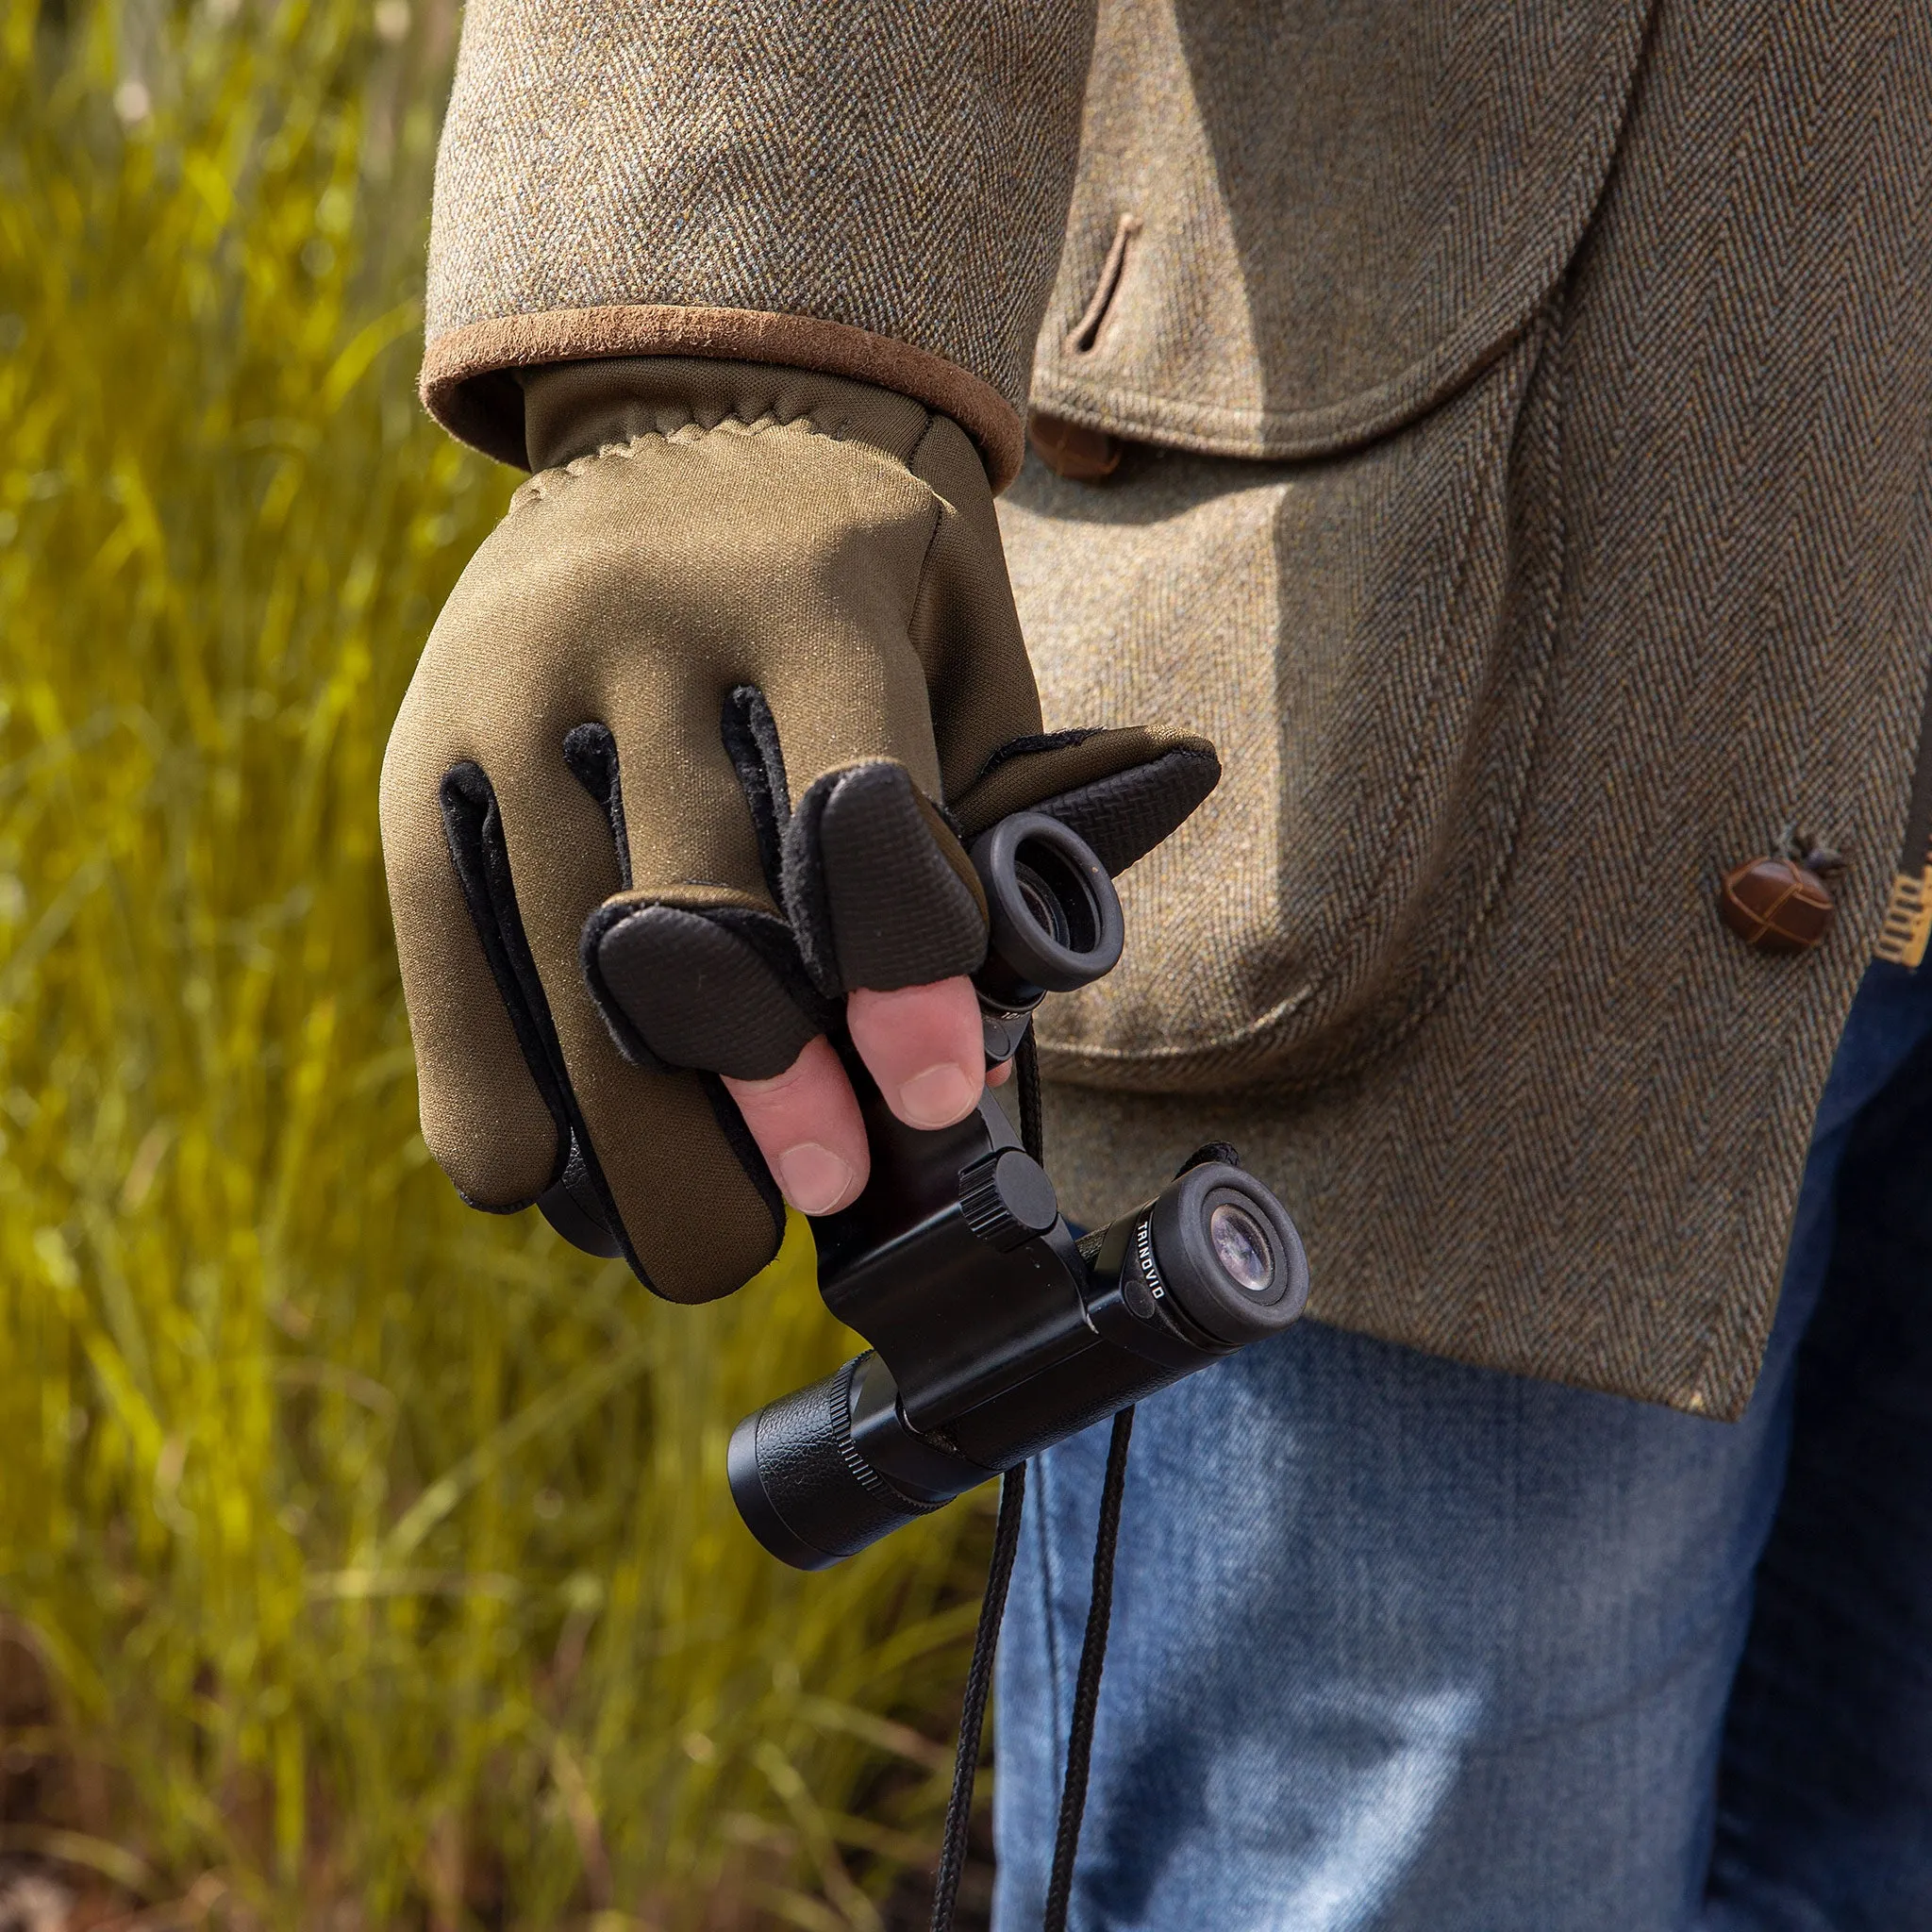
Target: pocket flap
{"points": [[1297, 225]]}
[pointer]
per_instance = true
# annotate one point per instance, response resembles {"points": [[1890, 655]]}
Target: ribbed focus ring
{"points": [[863, 1473]]}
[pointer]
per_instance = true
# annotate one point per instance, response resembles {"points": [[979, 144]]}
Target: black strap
{"points": [[1005, 1546], [993, 1608], [1027, 1072], [1059, 1889]]}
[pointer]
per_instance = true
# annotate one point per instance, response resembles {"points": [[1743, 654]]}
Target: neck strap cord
{"points": [[1006, 1548]]}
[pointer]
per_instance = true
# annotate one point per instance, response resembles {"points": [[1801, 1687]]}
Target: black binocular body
{"points": [[994, 1332]]}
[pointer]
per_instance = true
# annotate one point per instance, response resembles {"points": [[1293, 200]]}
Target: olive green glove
{"points": [[689, 755]]}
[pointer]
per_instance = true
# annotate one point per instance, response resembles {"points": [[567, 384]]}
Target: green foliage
{"points": [[374, 1556]]}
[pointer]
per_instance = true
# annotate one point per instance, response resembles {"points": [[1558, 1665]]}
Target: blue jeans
{"points": [[1404, 1646]]}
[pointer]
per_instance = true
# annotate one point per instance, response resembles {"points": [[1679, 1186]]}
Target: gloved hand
{"points": [[681, 780]]}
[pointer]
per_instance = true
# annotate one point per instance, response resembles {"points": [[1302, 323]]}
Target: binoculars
{"points": [[995, 1333]]}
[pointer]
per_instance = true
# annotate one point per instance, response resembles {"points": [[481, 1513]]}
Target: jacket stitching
{"points": [[1081, 338]]}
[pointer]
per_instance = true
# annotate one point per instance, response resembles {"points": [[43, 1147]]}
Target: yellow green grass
{"points": [[363, 1561]]}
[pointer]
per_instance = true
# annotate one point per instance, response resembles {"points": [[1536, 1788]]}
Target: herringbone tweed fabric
{"points": [[1499, 696], [865, 186], [1540, 527], [1338, 211]]}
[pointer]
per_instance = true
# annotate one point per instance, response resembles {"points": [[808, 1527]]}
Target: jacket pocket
{"points": [[1339, 323], [1305, 223], [1367, 639]]}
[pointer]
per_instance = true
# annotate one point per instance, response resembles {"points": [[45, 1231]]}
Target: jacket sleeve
{"points": [[869, 188]]}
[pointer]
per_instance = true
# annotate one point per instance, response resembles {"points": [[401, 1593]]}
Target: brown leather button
{"points": [[1777, 904], [1072, 450]]}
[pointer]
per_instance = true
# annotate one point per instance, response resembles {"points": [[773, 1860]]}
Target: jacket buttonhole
{"points": [[1086, 332]]}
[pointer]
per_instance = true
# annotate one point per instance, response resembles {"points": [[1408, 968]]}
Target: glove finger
{"points": [[573, 1200], [879, 890], [1122, 790], [686, 969], [678, 1180], [714, 986], [490, 1115]]}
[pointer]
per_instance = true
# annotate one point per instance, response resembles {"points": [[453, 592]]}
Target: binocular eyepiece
{"points": [[995, 1333], [1053, 923]]}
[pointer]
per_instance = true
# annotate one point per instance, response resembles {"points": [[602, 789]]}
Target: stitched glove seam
{"points": [[939, 508], [544, 483]]}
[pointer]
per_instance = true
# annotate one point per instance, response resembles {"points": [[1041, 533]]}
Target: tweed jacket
{"points": [[1523, 418]]}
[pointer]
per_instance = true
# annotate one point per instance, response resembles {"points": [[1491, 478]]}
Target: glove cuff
{"points": [[574, 410]]}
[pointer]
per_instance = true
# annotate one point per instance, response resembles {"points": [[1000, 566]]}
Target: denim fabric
{"points": [[1404, 1645]]}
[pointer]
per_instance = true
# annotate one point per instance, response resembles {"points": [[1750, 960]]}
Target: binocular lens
{"points": [[1228, 1254], [1058, 899], [1241, 1247], [1041, 906]]}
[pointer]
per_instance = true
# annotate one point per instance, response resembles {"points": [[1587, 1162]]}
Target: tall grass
{"points": [[363, 1561]]}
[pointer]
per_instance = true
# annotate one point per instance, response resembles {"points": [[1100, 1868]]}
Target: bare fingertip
{"points": [[815, 1180], [937, 1097]]}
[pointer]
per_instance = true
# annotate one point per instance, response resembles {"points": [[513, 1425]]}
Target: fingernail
{"points": [[937, 1097], [813, 1177]]}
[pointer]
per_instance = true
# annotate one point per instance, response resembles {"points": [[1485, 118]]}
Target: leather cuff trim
{"points": [[467, 382]]}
